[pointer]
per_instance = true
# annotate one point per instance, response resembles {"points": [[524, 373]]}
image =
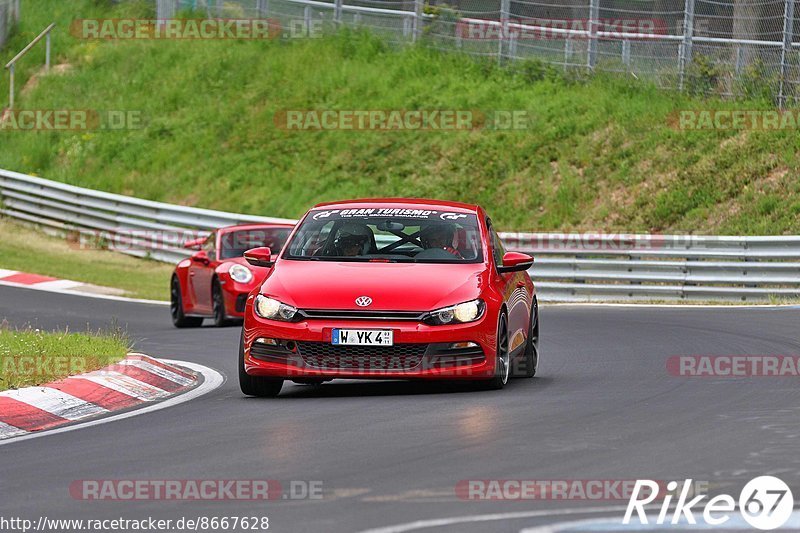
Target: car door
{"points": [[514, 292], [201, 272]]}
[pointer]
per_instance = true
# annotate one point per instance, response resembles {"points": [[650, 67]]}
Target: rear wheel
{"points": [[256, 385], [503, 363], [179, 319], [529, 360]]}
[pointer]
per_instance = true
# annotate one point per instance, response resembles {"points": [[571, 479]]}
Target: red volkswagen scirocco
{"points": [[390, 289]]}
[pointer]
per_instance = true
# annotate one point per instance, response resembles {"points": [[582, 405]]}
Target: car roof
{"points": [[239, 227], [402, 203]]}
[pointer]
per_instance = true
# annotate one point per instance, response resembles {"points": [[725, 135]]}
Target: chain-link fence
{"points": [[9, 15], [723, 47]]}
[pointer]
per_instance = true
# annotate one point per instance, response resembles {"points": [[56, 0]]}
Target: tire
{"points": [[179, 319], [528, 364], [255, 385], [503, 366], [218, 305]]}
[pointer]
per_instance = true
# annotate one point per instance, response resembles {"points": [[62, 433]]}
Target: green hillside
{"points": [[600, 154]]}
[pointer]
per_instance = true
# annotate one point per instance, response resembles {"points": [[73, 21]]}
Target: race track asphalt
{"points": [[389, 453]]}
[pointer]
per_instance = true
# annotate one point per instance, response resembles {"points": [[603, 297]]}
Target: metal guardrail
{"points": [[130, 225], [568, 267]]}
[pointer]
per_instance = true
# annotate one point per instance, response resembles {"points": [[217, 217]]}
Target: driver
{"points": [[439, 236], [353, 239]]}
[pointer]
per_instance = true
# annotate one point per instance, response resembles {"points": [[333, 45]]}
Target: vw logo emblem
{"points": [[363, 301]]}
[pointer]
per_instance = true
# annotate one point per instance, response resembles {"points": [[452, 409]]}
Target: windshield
{"points": [[387, 235], [236, 243]]}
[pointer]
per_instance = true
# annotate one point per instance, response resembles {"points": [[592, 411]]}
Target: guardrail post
{"points": [[262, 8], [685, 52], [418, 22], [337, 11], [788, 34], [626, 53], [47, 52], [505, 14], [594, 22], [11, 88], [567, 51], [739, 60]]}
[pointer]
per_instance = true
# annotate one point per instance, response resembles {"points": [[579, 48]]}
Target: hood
{"points": [[392, 286]]}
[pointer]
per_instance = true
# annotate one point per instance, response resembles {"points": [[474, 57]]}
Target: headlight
{"points": [[273, 309], [241, 273], [456, 314]]}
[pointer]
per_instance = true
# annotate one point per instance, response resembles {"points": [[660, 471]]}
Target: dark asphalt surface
{"points": [[389, 453]]}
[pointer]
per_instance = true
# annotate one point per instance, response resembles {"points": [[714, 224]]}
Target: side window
{"points": [[498, 251], [210, 246]]}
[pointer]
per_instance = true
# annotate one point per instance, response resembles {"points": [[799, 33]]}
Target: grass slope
{"points": [[32, 357], [601, 155], [28, 250]]}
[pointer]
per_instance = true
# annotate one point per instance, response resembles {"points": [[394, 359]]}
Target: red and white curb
{"points": [[15, 278], [134, 382]]}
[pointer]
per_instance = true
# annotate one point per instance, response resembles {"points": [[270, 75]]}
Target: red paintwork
{"points": [[393, 287], [196, 278], [27, 279], [24, 416]]}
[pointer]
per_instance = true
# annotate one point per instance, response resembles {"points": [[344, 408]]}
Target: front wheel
{"points": [[529, 361], [256, 385], [503, 363], [179, 319]]}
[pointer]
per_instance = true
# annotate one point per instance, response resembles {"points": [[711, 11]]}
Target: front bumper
{"points": [[304, 350]]}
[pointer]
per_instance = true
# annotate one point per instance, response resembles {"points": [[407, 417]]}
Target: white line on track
{"points": [[211, 380], [83, 294], [442, 522]]}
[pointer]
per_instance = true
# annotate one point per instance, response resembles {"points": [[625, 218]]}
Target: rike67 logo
{"points": [[765, 503]]}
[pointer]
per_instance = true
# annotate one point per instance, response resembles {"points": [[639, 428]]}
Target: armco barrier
{"points": [[568, 267]]}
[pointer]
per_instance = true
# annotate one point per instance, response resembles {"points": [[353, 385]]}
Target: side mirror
{"points": [[193, 244], [201, 257], [515, 262], [260, 257]]}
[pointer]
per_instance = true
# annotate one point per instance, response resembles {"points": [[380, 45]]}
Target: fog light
{"points": [[264, 340], [462, 345]]}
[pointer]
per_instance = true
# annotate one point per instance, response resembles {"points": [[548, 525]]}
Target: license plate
{"points": [[362, 337]]}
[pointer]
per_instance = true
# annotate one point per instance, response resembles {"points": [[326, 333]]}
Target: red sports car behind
{"points": [[215, 281], [390, 289]]}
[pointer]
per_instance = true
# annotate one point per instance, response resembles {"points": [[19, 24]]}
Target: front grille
{"points": [[329, 356], [362, 315]]}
